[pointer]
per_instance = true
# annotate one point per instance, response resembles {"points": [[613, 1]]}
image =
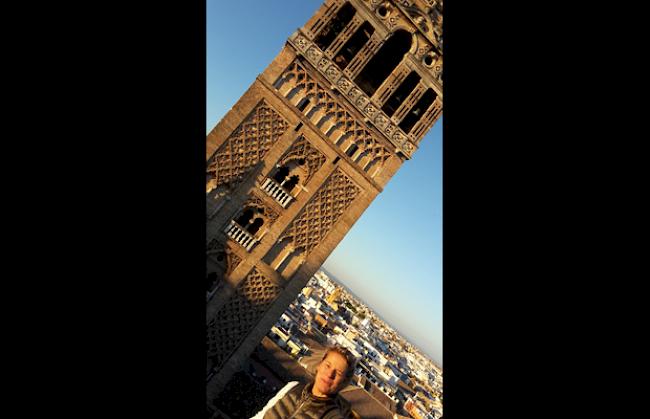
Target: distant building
{"points": [[350, 345], [351, 333], [320, 321], [331, 299], [307, 291], [414, 409]]}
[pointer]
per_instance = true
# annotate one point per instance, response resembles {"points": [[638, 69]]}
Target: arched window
{"points": [[417, 111], [245, 218], [291, 182], [384, 62], [325, 38], [285, 182], [353, 149], [243, 229], [354, 44], [281, 174], [401, 93], [250, 221], [255, 226], [289, 174]]}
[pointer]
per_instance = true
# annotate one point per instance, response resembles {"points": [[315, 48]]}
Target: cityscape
{"points": [[392, 379]]}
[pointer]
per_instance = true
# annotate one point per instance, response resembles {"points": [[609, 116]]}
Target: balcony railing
{"points": [[277, 192], [241, 236]]}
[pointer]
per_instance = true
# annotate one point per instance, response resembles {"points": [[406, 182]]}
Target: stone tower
{"points": [[303, 153]]}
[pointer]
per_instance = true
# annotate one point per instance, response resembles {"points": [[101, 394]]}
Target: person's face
{"points": [[329, 374]]}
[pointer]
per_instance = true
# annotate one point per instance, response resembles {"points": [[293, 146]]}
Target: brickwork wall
{"points": [[302, 103]]}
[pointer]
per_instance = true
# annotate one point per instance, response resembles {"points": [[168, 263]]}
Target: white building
{"points": [[352, 346]]}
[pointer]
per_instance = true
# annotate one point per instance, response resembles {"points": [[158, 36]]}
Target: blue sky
{"points": [[392, 256]]}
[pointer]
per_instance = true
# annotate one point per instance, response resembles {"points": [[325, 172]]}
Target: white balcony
{"points": [[277, 192], [241, 236]]}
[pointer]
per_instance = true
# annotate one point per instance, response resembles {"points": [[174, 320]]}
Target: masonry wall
{"points": [[303, 114]]}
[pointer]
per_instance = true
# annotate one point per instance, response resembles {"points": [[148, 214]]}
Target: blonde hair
{"points": [[345, 353]]}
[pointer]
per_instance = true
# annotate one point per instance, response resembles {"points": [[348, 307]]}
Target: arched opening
{"points": [[255, 226], [384, 62], [353, 149], [291, 183], [372, 167], [302, 105], [354, 44], [326, 36], [383, 10], [277, 253], [417, 111], [428, 60], [284, 258], [281, 174], [401, 93], [289, 174], [245, 218], [285, 183], [291, 263]]}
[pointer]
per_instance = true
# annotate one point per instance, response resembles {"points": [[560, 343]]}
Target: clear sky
{"points": [[392, 256]]}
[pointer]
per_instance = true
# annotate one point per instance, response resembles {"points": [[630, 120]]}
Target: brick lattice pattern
{"points": [[246, 146], [321, 213], [239, 315]]}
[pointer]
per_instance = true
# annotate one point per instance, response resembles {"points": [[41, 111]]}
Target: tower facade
{"points": [[303, 153]]}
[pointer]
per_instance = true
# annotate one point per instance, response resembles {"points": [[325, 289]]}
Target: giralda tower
{"points": [[303, 153]]}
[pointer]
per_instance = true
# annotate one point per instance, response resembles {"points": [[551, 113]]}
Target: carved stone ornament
{"points": [[302, 149], [314, 54], [332, 72], [381, 121], [341, 123], [354, 92], [302, 43], [343, 84], [362, 101], [256, 202], [398, 137], [323, 63]]}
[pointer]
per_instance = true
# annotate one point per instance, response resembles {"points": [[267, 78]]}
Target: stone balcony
{"points": [[241, 236], [277, 192]]}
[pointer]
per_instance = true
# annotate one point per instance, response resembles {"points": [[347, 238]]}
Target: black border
{"points": [[523, 253], [114, 322], [113, 225]]}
